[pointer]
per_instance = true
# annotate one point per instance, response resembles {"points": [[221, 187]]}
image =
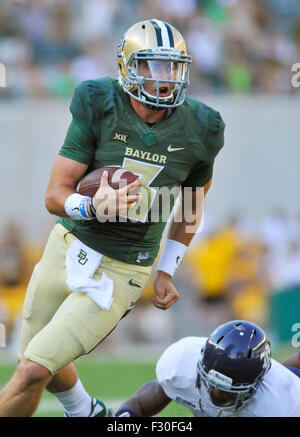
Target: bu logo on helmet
{"points": [[121, 44]]}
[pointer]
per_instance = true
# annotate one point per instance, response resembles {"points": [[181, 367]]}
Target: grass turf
{"points": [[113, 381], [109, 380]]}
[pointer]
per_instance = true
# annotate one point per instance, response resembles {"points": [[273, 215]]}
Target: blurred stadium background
{"points": [[246, 262]]}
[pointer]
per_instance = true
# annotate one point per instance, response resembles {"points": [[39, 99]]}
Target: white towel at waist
{"points": [[81, 263]]}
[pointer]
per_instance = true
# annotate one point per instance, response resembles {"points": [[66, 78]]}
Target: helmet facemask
{"points": [[218, 395], [160, 79]]}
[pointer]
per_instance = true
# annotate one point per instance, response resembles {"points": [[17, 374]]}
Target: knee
{"points": [[33, 373]]}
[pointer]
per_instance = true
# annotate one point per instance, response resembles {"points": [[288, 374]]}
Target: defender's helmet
{"points": [[234, 360], [153, 51]]}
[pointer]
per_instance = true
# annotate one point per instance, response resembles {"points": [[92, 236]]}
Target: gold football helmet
{"points": [[154, 64]]}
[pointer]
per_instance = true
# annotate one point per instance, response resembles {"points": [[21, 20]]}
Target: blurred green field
{"points": [[114, 381], [111, 381]]}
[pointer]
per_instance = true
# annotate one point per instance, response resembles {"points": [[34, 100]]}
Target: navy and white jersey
{"points": [[277, 396]]}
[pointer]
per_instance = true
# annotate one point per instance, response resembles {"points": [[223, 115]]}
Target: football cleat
{"points": [[152, 53], [98, 409]]}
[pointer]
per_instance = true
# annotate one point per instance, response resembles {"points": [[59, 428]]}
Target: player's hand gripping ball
{"points": [[113, 190], [118, 178]]}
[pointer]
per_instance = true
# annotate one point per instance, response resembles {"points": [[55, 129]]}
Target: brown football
{"points": [[118, 177]]}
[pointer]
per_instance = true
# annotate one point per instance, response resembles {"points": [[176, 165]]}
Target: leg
{"points": [[46, 292], [21, 395], [69, 391], [64, 379], [47, 288], [79, 324], [77, 327]]}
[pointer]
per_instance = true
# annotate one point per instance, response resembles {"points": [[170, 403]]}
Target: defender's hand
{"points": [[110, 203], [165, 292]]}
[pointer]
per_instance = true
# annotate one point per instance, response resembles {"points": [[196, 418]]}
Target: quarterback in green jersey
{"points": [[93, 271]]}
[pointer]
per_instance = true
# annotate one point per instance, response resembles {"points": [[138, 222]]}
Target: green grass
{"points": [[109, 380], [114, 381]]}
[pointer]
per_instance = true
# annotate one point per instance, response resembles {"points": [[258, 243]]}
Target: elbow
{"points": [[207, 186], [49, 203]]}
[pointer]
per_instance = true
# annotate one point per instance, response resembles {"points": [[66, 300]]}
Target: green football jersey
{"points": [[178, 151]]}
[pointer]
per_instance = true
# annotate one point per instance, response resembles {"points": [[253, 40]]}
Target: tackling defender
{"points": [[230, 374], [92, 273]]}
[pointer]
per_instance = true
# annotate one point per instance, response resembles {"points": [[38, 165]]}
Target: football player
{"points": [[93, 272], [231, 373]]}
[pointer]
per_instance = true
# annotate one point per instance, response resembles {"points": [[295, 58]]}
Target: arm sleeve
{"points": [[166, 364], [214, 140], [80, 141], [78, 145], [200, 175], [82, 108]]}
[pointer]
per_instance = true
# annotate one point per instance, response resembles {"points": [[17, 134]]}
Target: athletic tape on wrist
{"points": [[76, 206], [172, 255]]}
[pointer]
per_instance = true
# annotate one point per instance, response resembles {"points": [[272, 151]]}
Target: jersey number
{"points": [[147, 173]]}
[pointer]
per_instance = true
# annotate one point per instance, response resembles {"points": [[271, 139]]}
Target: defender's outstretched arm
{"points": [[149, 400]]}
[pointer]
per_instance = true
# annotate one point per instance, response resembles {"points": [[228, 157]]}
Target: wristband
{"points": [[172, 254], [92, 209], [77, 207], [126, 412]]}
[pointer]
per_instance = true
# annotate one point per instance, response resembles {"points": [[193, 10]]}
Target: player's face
{"points": [[158, 70], [222, 398]]}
